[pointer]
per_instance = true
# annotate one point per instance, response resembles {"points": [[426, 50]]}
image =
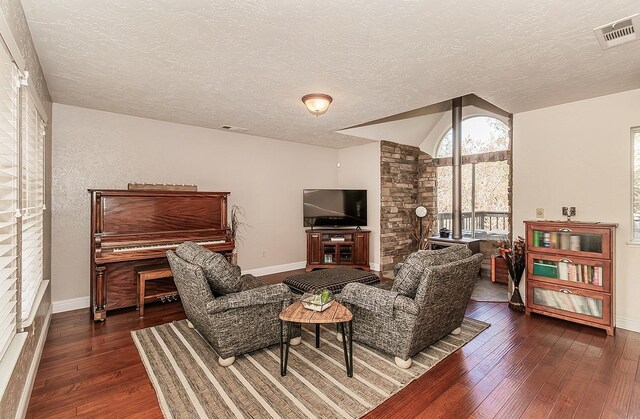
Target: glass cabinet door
{"points": [[571, 302], [346, 253], [329, 253], [588, 242], [585, 273]]}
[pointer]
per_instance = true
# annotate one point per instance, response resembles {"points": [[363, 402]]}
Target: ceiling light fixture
{"points": [[317, 103]]}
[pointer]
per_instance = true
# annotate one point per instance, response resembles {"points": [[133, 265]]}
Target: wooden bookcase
{"points": [[571, 271], [337, 248]]}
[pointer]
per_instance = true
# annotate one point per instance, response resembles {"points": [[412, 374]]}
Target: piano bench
{"points": [[149, 273]]}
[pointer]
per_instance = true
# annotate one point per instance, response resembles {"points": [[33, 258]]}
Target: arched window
{"points": [[480, 134], [485, 179]]}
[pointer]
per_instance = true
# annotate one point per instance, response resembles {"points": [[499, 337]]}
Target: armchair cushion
{"points": [[277, 293], [223, 277], [250, 282], [377, 300], [408, 277]]}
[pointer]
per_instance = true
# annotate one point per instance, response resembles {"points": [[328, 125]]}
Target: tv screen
{"points": [[334, 207]]}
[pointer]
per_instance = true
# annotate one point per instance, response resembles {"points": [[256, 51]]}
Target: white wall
{"points": [[579, 154], [360, 169], [95, 149]]}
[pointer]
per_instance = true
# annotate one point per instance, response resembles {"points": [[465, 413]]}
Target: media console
{"points": [[337, 248]]}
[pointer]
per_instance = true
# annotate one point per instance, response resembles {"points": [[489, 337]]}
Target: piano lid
{"points": [[148, 212]]}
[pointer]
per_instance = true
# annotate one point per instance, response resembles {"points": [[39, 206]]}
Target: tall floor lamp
{"points": [[421, 212]]}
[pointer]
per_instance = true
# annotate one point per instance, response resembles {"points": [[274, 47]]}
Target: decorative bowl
{"points": [[317, 300]]}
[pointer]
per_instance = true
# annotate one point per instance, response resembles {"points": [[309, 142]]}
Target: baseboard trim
{"points": [[374, 266], [268, 270], [33, 369], [70, 304], [628, 323]]}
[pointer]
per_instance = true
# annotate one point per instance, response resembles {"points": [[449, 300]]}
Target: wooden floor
{"points": [[532, 367]]}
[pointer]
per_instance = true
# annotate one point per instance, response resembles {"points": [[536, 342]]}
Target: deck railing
{"points": [[496, 221]]}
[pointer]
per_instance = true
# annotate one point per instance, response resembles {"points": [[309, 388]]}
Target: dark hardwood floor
{"points": [[521, 366]]}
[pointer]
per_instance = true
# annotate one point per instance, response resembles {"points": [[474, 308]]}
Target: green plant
{"points": [[324, 296]]}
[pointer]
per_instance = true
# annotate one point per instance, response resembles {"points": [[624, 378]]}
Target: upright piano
{"points": [[133, 229]]}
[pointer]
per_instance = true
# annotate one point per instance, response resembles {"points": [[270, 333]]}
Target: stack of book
{"points": [[564, 240], [566, 271]]}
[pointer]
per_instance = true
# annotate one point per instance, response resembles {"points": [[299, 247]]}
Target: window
{"points": [[485, 180], [21, 201], [635, 140], [9, 142], [481, 134], [32, 203]]}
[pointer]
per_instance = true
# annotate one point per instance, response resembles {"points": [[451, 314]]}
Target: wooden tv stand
{"points": [[337, 249]]}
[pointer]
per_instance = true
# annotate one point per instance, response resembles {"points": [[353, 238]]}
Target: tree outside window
{"points": [[485, 212]]}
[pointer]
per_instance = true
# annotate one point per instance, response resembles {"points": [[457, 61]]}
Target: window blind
{"points": [[32, 202], [9, 113]]}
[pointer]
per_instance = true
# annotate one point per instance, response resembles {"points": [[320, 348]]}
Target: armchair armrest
{"points": [[377, 300], [276, 293], [249, 282], [396, 268]]}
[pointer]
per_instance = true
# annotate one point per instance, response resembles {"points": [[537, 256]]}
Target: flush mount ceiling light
{"points": [[317, 103]]}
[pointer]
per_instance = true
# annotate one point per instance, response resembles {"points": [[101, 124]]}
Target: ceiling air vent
{"points": [[619, 32], [232, 128]]}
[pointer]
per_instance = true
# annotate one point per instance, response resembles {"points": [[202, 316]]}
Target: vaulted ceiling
{"points": [[247, 64]]}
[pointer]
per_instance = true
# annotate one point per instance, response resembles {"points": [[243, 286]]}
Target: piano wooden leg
{"points": [[99, 311], [142, 284]]}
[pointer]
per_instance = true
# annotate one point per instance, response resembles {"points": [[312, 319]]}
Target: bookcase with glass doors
{"points": [[571, 271]]}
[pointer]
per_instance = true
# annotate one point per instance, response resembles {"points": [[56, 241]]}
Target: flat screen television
{"points": [[335, 207]]}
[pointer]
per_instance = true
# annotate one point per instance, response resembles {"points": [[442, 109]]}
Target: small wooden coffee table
{"points": [[296, 313]]}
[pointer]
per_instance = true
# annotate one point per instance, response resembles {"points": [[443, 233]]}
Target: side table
{"points": [[337, 313]]}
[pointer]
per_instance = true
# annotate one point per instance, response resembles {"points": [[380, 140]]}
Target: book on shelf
{"points": [[574, 243], [536, 238], [573, 274], [597, 276], [563, 271], [545, 269]]}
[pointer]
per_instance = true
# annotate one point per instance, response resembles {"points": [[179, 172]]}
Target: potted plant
{"points": [[422, 227], [516, 261]]}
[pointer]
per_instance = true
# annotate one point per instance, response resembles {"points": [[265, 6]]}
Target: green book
{"points": [[542, 269], [536, 238]]}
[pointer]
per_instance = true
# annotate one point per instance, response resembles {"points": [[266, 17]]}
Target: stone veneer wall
{"points": [[408, 179]]}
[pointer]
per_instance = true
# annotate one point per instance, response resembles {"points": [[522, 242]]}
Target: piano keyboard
{"points": [[162, 246]]}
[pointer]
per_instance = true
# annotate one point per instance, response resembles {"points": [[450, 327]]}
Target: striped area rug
{"points": [[189, 382]]}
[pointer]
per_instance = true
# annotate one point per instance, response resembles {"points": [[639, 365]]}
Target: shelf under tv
{"points": [[350, 252]]}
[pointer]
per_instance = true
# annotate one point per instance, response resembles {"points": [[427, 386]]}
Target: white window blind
{"points": [[32, 202], [635, 211], [9, 113]]}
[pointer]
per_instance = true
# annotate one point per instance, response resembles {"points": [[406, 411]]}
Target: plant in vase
{"points": [[238, 222], [516, 261], [421, 229]]}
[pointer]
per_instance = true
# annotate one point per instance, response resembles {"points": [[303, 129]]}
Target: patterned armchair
{"points": [[428, 300], [235, 322]]}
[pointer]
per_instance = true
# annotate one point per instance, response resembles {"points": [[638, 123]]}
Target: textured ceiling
{"points": [[409, 131], [215, 62]]}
